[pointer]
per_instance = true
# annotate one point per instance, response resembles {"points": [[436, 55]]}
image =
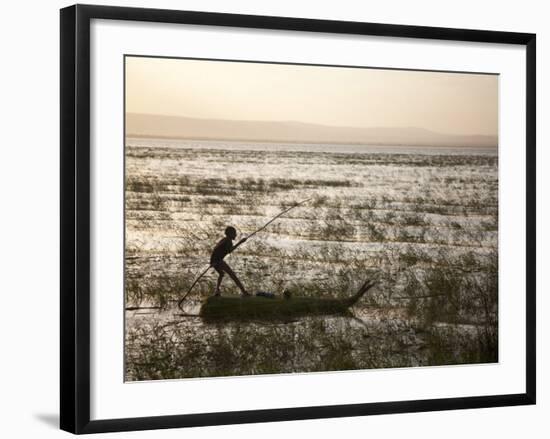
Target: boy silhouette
{"points": [[221, 250]]}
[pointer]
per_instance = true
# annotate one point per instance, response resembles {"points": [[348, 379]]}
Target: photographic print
{"points": [[294, 218]]}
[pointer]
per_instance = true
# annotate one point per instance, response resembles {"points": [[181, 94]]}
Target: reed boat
{"points": [[257, 307]]}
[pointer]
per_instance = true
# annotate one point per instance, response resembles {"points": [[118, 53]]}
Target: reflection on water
{"points": [[169, 345]]}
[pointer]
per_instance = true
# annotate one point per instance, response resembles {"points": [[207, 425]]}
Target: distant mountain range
{"points": [[158, 126]]}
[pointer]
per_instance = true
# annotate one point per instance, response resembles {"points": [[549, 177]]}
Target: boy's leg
{"points": [[226, 268], [220, 278]]}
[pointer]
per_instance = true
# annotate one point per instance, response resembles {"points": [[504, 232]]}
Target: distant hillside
{"points": [[148, 125]]}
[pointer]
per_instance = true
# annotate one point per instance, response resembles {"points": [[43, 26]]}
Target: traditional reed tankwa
{"points": [[277, 307], [267, 305]]}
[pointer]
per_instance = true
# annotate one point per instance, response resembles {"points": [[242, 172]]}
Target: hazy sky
{"points": [[450, 103]]}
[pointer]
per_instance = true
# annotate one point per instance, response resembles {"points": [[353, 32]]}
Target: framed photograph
{"points": [[275, 218]]}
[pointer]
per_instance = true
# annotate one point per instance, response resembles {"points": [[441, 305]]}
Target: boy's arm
{"points": [[242, 241]]}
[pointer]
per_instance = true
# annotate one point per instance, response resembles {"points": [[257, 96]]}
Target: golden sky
{"points": [[449, 103]]}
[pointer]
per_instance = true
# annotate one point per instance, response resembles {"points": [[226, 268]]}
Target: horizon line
{"points": [[288, 142]]}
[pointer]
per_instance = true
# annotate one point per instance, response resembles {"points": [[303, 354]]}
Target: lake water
{"points": [[307, 147], [424, 220]]}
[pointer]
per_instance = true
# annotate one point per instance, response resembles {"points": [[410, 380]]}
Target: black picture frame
{"points": [[75, 217]]}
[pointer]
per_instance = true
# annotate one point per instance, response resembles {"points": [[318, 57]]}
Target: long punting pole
{"points": [[247, 238]]}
